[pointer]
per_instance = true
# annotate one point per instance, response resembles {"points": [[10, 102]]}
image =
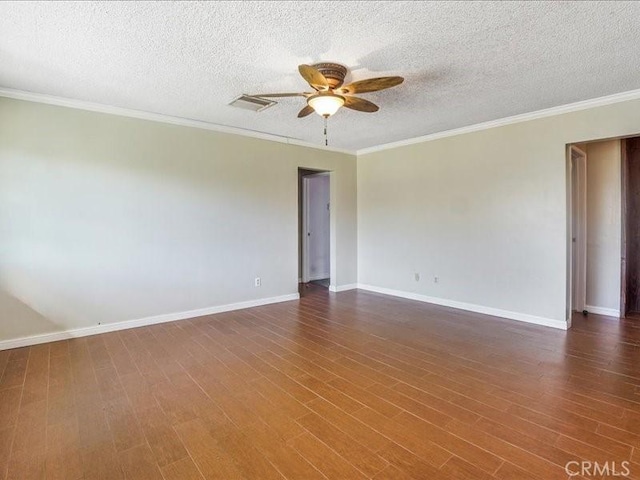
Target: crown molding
{"points": [[158, 117], [501, 122], [185, 122]]}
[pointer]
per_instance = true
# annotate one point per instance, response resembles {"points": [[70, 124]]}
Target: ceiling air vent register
{"points": [[254, 104]]}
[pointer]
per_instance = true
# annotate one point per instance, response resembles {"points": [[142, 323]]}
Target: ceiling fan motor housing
{"points": [[333, 72]]}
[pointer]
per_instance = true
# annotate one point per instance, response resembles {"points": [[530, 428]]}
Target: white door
{"points": [[316, 214]]}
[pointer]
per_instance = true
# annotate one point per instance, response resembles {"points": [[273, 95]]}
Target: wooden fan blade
{"points": [[360, 104], [278, 95], [370, 85], [305, 111], [313, 77]]}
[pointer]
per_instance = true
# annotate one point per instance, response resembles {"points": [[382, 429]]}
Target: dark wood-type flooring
{"points": [[340, 386]]}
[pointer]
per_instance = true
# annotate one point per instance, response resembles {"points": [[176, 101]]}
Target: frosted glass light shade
{"points": [[326, 105]]}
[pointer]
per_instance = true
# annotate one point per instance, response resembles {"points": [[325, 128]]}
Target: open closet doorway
{"points": [[604, 227], [596, 227], [314, 227]]}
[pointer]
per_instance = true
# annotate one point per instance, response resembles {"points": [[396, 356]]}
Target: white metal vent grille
{"points": [[255, 104]]}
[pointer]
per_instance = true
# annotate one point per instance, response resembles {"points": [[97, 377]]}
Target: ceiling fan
{"points": [[329, 94]]}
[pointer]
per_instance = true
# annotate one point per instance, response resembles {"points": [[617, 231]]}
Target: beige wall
{"points": [[604, 196], [485, 212], [106, 218]]}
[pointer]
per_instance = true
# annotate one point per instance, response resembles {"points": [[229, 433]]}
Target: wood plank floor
{"points": [[339, 386]]}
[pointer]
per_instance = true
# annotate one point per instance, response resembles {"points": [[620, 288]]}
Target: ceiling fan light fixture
{"points": [[325, 104]]}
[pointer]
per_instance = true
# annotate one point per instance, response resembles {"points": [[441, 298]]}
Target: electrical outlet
{"points": [[416, 276], [436, 279], [258, 282]]}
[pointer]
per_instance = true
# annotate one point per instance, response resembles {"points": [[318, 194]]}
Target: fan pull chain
{"points": [[326, 139]]}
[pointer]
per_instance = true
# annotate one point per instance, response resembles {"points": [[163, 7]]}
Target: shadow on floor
{"points": [[314, 287], [321, 283]]}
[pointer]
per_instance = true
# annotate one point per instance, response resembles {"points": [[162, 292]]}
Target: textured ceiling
{"points": [[464, 62]]}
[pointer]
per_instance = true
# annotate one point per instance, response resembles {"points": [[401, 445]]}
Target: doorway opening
{"points": [[604, 227], [314, 208]]}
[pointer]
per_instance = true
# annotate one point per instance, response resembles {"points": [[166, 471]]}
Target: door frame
{"points": [[306, 276], [624, 177], [578, 229]]}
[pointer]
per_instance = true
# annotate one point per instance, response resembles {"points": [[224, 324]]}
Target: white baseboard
{"points": [[140, 322], [609, 312], [496, 312], [343, 288]]}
